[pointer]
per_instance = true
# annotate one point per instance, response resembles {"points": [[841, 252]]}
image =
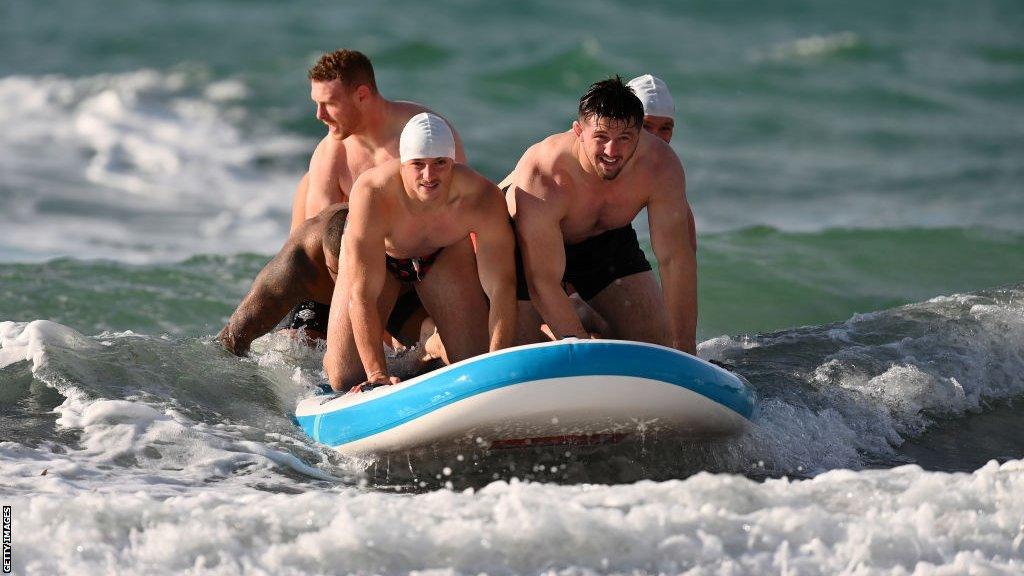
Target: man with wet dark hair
{"points": [[573, 197], [362, 132]]}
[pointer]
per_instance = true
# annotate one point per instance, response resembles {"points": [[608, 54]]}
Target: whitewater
{"points": [[855, 175]]}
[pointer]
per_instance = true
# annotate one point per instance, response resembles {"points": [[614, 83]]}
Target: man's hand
{"points": [[547, 332], [375, 380], [227, 339]]}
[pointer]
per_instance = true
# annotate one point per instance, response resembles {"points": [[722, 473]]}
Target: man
{"points": [[573, 197], [306, 269], [362, 132], [409, 223], [659, 118]]}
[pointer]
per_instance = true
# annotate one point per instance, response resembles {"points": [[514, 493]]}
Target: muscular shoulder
{"points": [[375, 178], [476, 189], [405, 109], [658, 159], [329, 150], [545, 168]]}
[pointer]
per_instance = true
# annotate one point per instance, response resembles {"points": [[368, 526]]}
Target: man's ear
{"points": [[362, 92], [577, 127]]}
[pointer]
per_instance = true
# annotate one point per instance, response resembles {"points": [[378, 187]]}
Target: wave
{"points": [[181, 411], [871, 522], [788, 279], [141, 165]]}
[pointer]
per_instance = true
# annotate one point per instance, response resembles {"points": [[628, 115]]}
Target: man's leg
{"points": [[453, 298], [634, 309], [528, 324], [342, 355]]}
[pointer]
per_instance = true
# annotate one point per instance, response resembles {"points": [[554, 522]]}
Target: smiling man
{"points": [[573, 197], [409, 223], [363, 130]]}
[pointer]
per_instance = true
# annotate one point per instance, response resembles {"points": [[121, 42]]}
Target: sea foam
{"points": [[898, 521], [141, 166]]}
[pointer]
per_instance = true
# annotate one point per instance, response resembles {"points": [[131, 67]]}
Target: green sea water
{"points": [[750, 281], [855, 171]]}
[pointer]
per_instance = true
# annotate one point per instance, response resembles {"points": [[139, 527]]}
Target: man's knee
{"points": [[342, 376]]}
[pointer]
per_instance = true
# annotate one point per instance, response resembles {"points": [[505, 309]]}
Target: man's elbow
{"points": [[683, 259]]}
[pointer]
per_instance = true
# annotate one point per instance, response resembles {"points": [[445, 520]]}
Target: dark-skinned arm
{"points": [[278, 288], [668, 217]]}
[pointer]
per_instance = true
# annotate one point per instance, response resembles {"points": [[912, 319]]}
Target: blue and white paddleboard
{"points": [[567, 392]]}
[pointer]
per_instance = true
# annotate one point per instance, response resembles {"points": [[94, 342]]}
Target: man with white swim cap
{"points": [[573, 197], [659, 117], [659, 107], [363, 129], [409, 223]]}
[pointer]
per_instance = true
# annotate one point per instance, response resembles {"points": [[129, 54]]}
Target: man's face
{"points": [[660, 126], [335, 107], [427, 178], [608, 144]]}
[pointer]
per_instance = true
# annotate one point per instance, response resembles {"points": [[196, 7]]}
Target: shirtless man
{"points": [[409, 223], [362, 132], [573, 197], [659, 118], [305, 269]]}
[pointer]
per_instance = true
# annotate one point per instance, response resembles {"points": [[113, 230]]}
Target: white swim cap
{"points": [[654, 95], [426, 135]]}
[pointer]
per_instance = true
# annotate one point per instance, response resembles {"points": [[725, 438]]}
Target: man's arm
{"points": [[539, 232], [320, 187], [495, 256], [278, 288], [299, 203], [363, 245], [668, 218]]}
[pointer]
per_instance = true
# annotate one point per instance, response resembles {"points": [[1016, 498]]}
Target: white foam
{"points": [[949, 356], [872, 522], [716, 348], [21, 341], [141, 440], [140, 166]]}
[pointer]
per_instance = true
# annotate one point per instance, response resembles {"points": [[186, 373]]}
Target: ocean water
{"points": [[855, 171]]}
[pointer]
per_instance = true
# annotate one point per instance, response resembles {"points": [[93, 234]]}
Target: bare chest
{"points": [[417, 235], [593, 212], [359, 161]]}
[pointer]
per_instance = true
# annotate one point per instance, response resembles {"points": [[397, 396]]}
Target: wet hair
{"points": [[332, 233], [351, 67], [611, 99]]}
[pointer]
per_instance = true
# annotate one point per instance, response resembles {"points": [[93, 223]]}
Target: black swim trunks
{"points": [[313, 315], [310, 315], [411, 269], [592, 265], [406, 305]]}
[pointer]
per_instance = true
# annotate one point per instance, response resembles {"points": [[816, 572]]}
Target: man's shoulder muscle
{"points": [[546, 167]]}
